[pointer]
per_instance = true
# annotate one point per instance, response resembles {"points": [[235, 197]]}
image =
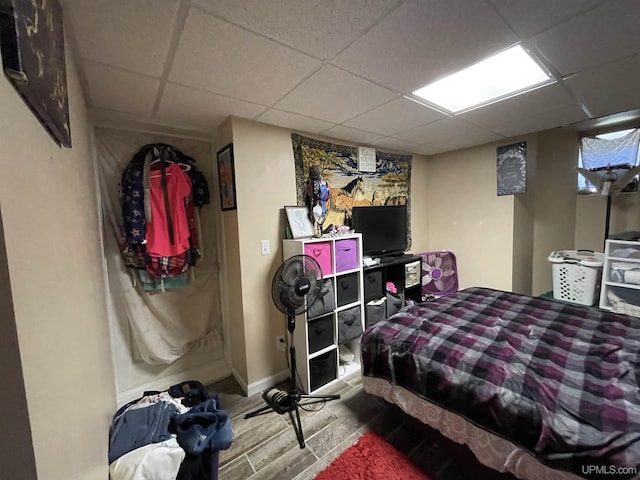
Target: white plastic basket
{"points": [[576, 275]]}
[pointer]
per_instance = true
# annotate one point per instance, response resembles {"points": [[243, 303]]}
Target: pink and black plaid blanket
{"points": [[558, 380]]}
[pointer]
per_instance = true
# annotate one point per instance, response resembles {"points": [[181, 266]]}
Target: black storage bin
{"points": [[323, 369], [373, 285], [347, 289], [375, 312], [320, 333], [325, 302], [349, 324], [395, 301]]}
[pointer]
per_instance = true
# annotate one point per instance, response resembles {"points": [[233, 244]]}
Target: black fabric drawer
{"points": [[349, 324], [325, 303], [373, 285], [320, 333], [395, 301], [347, 289], [374, 313], [322, 369]]}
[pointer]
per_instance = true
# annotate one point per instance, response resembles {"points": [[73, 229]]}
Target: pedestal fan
{"points": [[296, 285], [609, 181]]}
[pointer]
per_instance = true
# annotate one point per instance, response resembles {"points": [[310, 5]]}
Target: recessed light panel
{"points": [[502, 75]]}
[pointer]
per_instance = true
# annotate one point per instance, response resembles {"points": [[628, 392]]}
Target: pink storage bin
{"points": [[346, 254], [321, 252]]}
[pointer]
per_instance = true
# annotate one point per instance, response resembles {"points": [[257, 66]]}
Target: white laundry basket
{"points": [[576, 275]]}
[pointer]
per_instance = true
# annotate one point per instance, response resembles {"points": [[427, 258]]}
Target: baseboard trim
{"points": [[266, 382], [239, 379], [207, 374]]}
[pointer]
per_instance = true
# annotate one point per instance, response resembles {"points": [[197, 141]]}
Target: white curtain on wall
{"points": [[165, 325]]}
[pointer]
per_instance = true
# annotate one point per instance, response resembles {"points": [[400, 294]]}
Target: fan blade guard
{"points": [[296, 284]]}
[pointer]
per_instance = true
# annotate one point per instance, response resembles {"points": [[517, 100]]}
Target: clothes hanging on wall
{"points": [[150, 327], [159, 189]]}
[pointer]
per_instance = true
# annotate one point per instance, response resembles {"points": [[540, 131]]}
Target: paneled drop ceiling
{"points": [[343, 68]]}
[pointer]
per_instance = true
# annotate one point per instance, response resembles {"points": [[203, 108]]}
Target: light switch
{"points": [[265, 248]]}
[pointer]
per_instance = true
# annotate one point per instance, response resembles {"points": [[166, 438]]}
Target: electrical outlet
{"points": [[265, 248], [280, 343]]}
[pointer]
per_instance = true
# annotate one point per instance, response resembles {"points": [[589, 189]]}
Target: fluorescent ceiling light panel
{"points": [[502, 75]]}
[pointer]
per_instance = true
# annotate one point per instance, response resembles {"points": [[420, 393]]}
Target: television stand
{"points": [[395, 258], [392, 269]]}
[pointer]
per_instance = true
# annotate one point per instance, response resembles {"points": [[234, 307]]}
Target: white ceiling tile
{"points": [[601, 35], [351, 134], [196, 107], [109, 118], [542, 103], [561, 116], [321, 29], [394, 144], [130, 35], [529, 18], [334, 95], [425, 150], [467, 140], [106, 89], [394, 116], [216, 56], [446, 128], [293, 121], [426, 39], [610, 89]]}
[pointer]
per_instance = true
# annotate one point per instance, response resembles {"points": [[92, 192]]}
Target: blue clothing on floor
{"points": [[201, 432], [138, 427], [203, 428]]}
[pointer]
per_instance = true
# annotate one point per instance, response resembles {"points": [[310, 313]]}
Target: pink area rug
{"points": [[372, 458]]}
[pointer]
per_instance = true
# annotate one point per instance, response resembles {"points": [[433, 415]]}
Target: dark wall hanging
{"points": [[512, 169], [388, 182], [32, 45], [227, 178]]}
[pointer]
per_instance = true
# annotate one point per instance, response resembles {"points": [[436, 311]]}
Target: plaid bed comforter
{"points": [[558, 380]]}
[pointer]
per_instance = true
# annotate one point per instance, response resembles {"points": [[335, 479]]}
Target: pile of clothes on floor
{"points": [[170, 435]]}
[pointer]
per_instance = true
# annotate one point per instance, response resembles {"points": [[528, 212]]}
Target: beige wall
{"points": [[467, 217], [232, 278], [523, 221], [265, 182], [591, 216], [503, 242], [555, 202], [53, 247], [420, 210]]}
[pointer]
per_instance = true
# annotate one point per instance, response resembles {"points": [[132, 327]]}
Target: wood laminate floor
{"points": [[265, 447]]}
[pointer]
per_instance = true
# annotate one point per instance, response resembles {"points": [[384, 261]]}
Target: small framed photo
{"points": [[227, 178], [299, 223]]}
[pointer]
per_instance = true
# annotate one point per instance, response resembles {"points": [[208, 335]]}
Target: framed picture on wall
{"points": [[227, 178], [511, 169]]}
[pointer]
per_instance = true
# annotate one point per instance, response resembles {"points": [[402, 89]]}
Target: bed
{"points": [[534, 387]]}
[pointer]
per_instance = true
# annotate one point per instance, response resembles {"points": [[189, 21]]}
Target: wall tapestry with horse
{"points": [[349, 187]]}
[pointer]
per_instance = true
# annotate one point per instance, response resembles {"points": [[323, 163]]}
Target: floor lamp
{"points": [[609, 181]]}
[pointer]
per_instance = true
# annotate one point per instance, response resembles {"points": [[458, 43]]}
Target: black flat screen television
{"points": [[383, 228]]}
